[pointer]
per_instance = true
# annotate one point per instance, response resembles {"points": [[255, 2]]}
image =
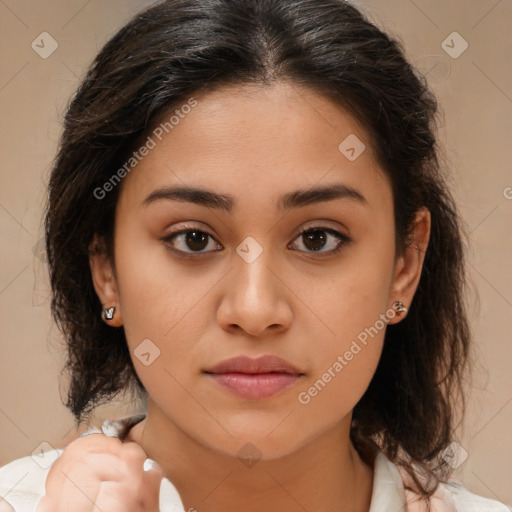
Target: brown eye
{"points": [[317, 238], [196, 240], [190, 241]]}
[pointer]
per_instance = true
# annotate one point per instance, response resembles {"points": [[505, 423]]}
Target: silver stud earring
{"points": [[399, 307], [108, 313]]}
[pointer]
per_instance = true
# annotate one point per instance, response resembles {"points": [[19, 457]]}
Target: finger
{"points": [[134, 456], [155, 474], [87, 471], [67, 498], [95, 443], [105, 467], [148, 475], [78, 484], [116, 498], [152, 483]]}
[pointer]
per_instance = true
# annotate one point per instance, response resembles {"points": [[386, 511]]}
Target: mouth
{"points": [[255, 379]]}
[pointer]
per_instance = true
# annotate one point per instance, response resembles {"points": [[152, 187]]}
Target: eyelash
{"points": [[343, 241]]}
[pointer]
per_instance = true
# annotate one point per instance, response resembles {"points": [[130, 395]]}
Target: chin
{"points": [[265, 444]]}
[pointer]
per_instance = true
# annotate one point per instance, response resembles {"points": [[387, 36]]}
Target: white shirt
{"points": [[22, 484]]}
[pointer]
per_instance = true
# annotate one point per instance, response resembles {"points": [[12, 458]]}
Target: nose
{"points": [[256, 299]]}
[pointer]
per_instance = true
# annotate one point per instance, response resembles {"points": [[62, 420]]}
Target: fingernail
{"points": [[149, 464]]}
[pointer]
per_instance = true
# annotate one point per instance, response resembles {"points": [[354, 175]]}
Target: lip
{"points": [[255, 379], [262, 364]]}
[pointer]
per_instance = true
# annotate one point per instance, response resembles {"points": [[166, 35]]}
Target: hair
{"points": [[178, 48]]}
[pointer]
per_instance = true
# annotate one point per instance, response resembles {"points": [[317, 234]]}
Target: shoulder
{"points": [[22, 481], [450, 497]]}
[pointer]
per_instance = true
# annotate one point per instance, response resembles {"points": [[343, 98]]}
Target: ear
{"points": [[104, 280], [409, 266]]}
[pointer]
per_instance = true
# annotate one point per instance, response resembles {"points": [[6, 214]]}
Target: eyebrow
{"points": [[227, 202]]}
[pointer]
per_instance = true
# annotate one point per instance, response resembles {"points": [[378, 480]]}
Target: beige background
{"points": [[475, 91]]}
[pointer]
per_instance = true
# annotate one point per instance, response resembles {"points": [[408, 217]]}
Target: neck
{"points": [[326, 474]]}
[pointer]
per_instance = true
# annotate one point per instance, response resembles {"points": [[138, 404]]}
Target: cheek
{"points": [[352, 313], [345, 361], [145, 299], [162, 312], [153, 293], [352, 298]]}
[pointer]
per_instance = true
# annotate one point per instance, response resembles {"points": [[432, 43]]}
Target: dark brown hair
{"points": [[178, 48]]}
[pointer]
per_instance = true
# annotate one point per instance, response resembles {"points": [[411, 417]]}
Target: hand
{"points": [[97, 473]]}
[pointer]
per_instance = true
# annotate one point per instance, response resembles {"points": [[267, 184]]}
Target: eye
{"points": [[195, 241], [317, 238], [192, 238]]}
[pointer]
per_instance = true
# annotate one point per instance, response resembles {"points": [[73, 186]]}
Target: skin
{"points": [[257, 144], [97, 472]]}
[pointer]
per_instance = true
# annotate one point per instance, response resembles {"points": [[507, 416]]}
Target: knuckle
{"points": [[94, 442], [133, 449]]}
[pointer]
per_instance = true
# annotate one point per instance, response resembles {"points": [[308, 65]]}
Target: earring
{"points": [[399, 307], [108, 313]]}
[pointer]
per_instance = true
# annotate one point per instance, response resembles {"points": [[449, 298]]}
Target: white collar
{"points": [[388, 490]]}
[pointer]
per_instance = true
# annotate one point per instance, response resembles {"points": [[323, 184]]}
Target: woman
{"points": [[249, 228]]}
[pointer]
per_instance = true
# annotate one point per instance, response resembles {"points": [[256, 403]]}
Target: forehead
{"points": [[246, 140]]}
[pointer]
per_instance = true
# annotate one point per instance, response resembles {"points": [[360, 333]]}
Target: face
{"points": [[198, 282]]}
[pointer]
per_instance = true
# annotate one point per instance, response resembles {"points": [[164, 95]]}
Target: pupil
{"points": [[314, 237], [196, 240]]}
